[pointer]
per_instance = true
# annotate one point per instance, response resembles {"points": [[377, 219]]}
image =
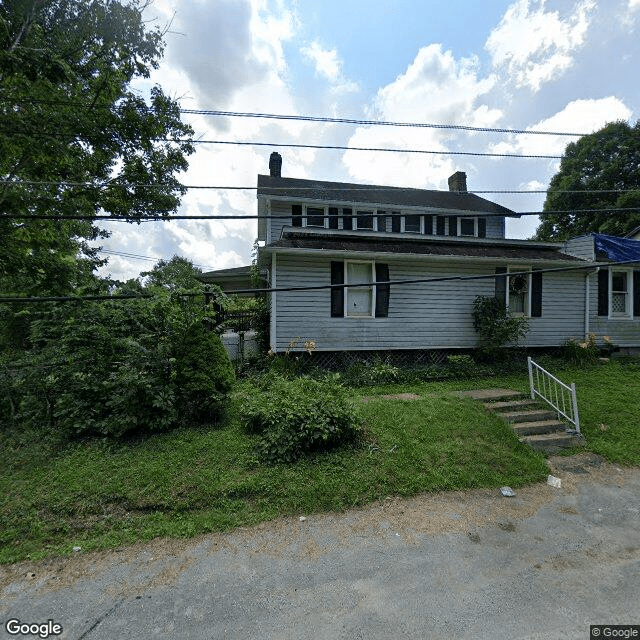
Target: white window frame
{"points": [[403, 226], [527, 300], [475, 226], [628, 312], [374, 214], [371, 287], [325, 218]]}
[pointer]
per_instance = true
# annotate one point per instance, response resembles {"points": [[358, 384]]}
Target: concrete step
{"points": [[510, 405], [552, 442], [538, 427], [533, 415]]}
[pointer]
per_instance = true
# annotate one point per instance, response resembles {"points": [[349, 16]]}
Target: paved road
{"points": [[544, 564]]}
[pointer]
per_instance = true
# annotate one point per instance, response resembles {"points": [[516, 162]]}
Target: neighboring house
{"points": [[612, 293], [318, 234], [230, 280]]}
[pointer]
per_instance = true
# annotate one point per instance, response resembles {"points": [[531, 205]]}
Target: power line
{"points": [[135, 256], [307, 118], [164, 218], [387, 123], [284, 190], [191, 294]]}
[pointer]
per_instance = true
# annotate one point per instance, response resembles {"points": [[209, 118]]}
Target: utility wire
{"points": [[284, 190], [190, 294], [306, 118], [163, 218]]}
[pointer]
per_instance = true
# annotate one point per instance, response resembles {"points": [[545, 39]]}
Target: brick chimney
{"points": [[275, 165], [458, 181]]}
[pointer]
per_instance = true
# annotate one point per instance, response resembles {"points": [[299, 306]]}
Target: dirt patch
{"points": [[395, 396]]}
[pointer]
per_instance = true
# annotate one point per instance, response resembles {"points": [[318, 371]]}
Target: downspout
{"points": [[272, 324], [587, 301]]}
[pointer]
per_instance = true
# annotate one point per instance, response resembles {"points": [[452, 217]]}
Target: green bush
{"points": [[115, 368], [496, 327], [298, 417]]}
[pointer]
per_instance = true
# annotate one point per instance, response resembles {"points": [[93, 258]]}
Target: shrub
{"points": [[496, 327], [298, 417], [586, 351], [115, 368]]}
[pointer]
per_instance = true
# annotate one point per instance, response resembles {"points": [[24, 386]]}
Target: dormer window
{"points": [[315, 216], [366, 220], [412, 224], [468, 227]]}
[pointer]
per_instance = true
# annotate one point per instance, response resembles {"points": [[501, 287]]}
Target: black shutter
{"points": [[333, 218], [382, 221], [501, 285], [482, 227], [395, 222], [636, 292], [347, 220], [428, 225], [603, 292], [382, 290], [536, 293], [453, 226], [440, 225], [296, 215], [337, 293]]}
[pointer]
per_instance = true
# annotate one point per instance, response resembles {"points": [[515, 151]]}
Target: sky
{"points": [[556, 65]]}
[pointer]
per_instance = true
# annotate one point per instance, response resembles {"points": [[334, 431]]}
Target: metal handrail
{"points": [[561, 396]]}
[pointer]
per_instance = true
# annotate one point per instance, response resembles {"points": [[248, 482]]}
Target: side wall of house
{"points": [[580, 247], [420, 316], [624, 332], [281, 212]]}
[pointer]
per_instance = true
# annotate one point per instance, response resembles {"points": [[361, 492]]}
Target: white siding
{"points": [[421, 316], [580, 247]]}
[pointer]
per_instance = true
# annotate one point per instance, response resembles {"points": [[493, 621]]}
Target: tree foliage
{"points": [[75, 138], [177, 274], [607, 160]]}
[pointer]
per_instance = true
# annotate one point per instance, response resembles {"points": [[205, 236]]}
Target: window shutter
{"points": [[603, 292], [440, 225], [636, 292], [536, 293], [428, 225], [347, 220], [337, 293], [453, 226], [482, 227], [333, 218], [501, 285], [395, 222], [382, 290], [296, 215]]}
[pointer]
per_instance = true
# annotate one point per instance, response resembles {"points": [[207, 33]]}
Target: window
{"points": [[467, 226], [359, 300], [518, 293], [365, 220], [366, 294], [412, 224], [619, 293], [520, 290], [315, 216]]}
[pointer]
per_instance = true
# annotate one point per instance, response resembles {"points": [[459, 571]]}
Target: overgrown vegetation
{"points": [[496, 327], [298, 417], [116, 368]]}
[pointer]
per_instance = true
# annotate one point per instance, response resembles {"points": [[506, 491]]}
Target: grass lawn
{"points": [[100, 495]]}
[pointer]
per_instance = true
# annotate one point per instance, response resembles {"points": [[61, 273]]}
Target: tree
{"points": [[607, 160], [76, 139], [177, 274]]}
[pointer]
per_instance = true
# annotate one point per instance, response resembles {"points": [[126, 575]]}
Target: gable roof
{"points": [[346, 192]]}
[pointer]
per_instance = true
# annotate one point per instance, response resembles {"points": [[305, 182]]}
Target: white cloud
{"points": [[634, 4], [535, 46], [328, 65], [435, 88], [579, 116]]}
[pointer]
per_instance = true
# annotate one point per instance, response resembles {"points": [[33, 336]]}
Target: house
{"points": [[373, 268]]}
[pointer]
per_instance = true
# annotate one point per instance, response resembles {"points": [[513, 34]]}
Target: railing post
{"points": [[575, 407], [530, 366]]}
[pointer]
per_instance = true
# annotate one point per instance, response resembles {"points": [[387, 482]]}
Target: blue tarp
{"points": [[617, 249]]}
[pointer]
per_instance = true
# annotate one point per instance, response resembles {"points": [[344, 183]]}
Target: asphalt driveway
{"points": [[547, 564]]}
